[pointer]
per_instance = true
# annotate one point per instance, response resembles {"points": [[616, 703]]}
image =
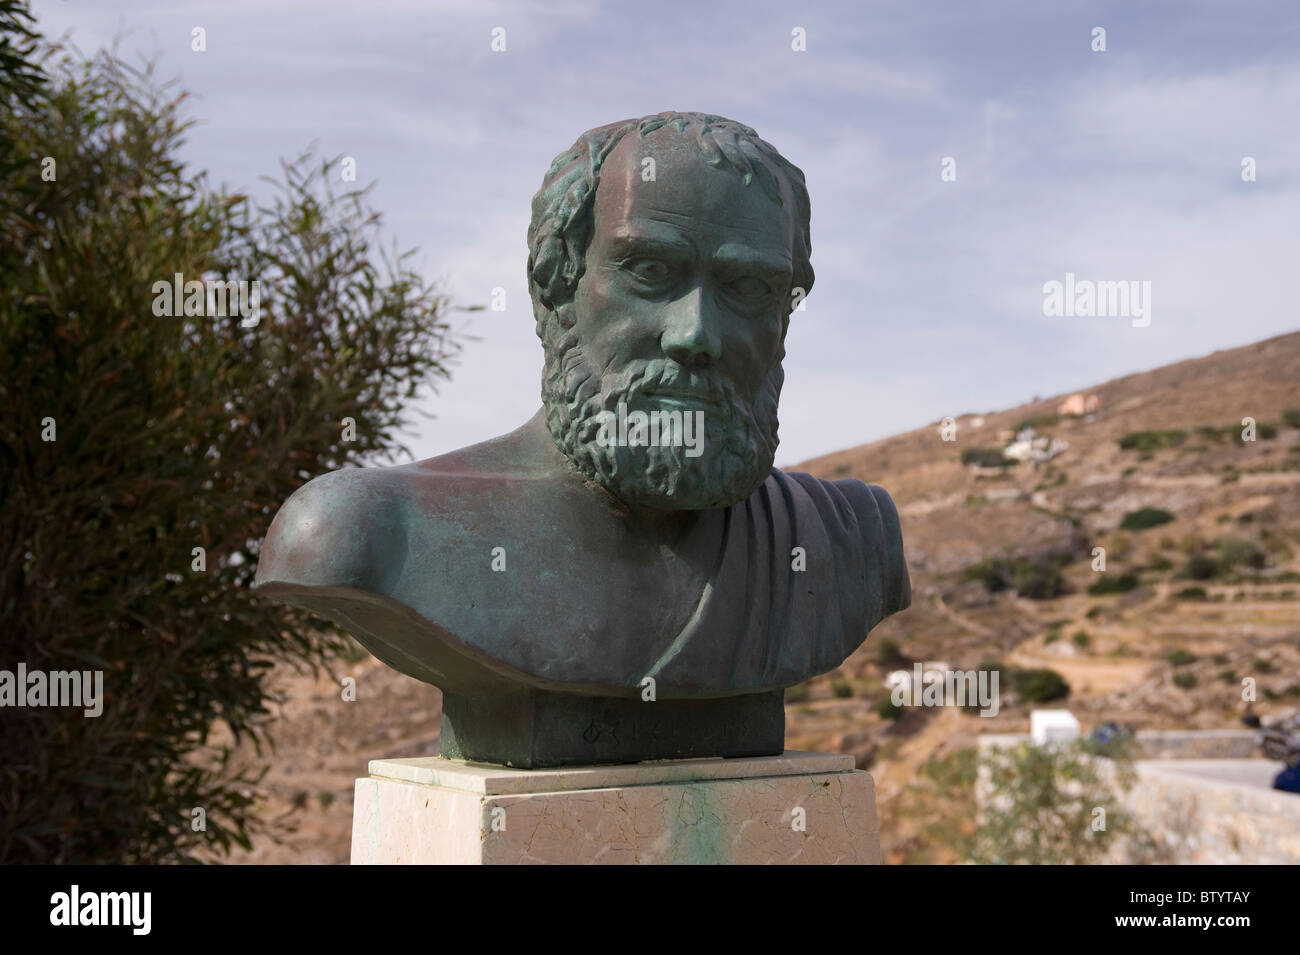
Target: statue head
{"points": [[665, 257]]}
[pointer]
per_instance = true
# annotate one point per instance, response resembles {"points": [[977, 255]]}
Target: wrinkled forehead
{"points": [[663, 183]]}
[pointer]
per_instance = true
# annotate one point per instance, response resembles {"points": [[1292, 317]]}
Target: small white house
{"points": [[1052, 726]]}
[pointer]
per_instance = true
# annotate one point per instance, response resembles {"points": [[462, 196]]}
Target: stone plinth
{"points": [[800, 808]]}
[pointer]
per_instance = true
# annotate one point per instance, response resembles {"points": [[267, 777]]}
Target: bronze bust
{"points": [[625, 576]]}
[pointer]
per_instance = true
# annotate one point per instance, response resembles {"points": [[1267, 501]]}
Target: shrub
{"points": [[986, 458], [1184, 680], [1037, 579], [887, 709], [1145, 517], [1039, 422], [1040, 685], [1114, 584], [1235, 552], [1081, 638], [1191, 593], [1152, 440], [1292, 417], [888, 653], [1042, 804], [1180, 657], [173, 433], [956, 770], [1201, 567], [841, 689], [991, 573]]}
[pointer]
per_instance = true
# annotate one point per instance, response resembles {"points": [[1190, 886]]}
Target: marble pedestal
{"points": [[800, 808]]}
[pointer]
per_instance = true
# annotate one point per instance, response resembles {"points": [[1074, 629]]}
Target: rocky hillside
{"points": [[1200, 588], [1201, 538]]}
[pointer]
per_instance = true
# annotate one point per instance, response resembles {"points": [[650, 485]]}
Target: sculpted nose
{"points": [[690, 336]]}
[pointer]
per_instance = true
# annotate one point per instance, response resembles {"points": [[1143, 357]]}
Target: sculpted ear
{"points": [[340, 530]]}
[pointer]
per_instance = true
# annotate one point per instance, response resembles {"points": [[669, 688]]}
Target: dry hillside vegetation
{"points": [[1001, 559]]}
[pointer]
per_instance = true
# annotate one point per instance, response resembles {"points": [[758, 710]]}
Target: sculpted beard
{"points": [[739, 439]]}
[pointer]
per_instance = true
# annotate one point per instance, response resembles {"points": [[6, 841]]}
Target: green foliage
{"points": [[1230, 553], [1031, 685], [1031, 577], [172, 433], [1179, 657], [1200, 567], [1152, 440], [1037, 579], [1039, 422], [1042, 801], [841, 689], [1184, 680], [955, 771], [1143, 518], [1081, 638], [941, 798], [986, 458], [991, 572], [1114, 584], [1292, 417], [888, 653], [1191, 593], [1264, 431], [1040, 685], [1235, 552], [22, 80], [797, 693], [887, 709]]}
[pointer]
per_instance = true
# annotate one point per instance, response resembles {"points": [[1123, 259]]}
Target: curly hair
{"points": [[564, 207]]}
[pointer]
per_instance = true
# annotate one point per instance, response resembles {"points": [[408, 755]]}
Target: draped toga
{"points": [[819, 564]]}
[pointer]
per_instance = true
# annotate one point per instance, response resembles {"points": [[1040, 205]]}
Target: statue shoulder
{"points": [[883, 537], [879, 531], [868, 501], [342, 529]]}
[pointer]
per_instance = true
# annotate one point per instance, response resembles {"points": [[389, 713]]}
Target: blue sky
{"points": [[1115, 165]]}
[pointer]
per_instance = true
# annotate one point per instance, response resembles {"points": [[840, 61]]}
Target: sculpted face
{"points": [[682, 308]]}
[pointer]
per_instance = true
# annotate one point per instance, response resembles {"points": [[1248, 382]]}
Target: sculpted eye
{"points": [[751, 288], [650, 270]]}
